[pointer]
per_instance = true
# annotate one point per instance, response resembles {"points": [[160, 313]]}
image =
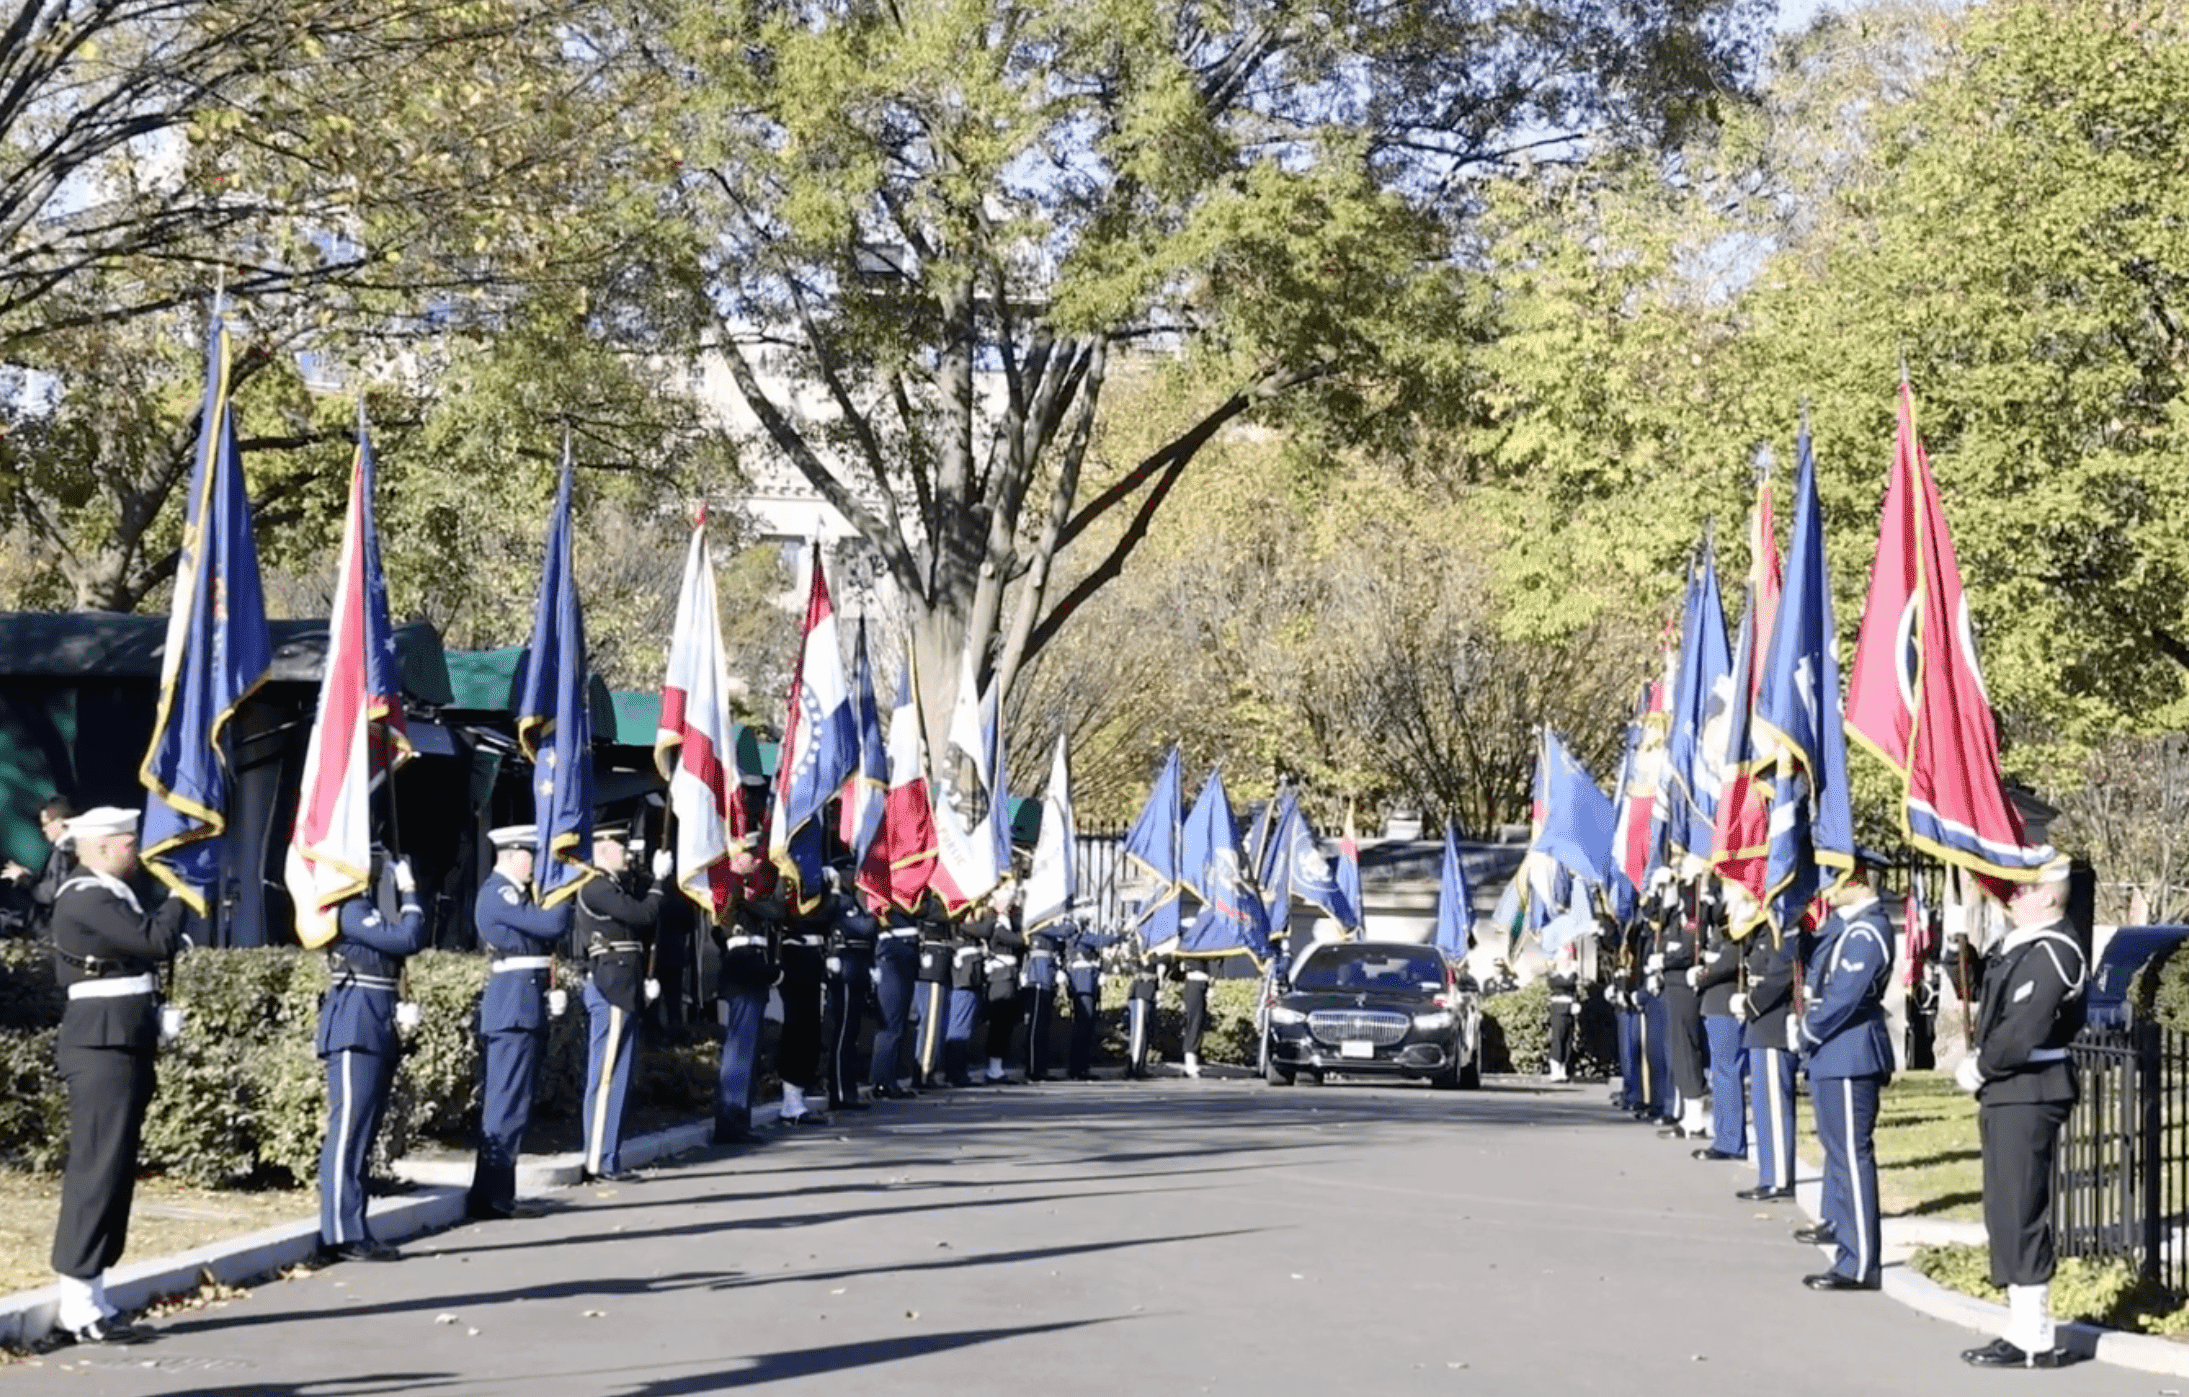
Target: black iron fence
{"points": [[2122, 1185]]}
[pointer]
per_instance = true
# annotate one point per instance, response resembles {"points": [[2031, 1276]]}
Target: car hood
{"points": [[1405, 1001]]}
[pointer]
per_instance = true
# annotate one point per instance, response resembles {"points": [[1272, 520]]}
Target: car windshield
{"points": [[1386, 968]]}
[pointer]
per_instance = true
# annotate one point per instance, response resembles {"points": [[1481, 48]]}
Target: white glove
{"points": [[653, 990], [557, 1002], [1694, 977], [664, 865], [1968, 1076], [1793, 1034], [405, 882], [1739, 1005], [406, 1014], [1653, 965], [1655, 984], [171, 1017]]}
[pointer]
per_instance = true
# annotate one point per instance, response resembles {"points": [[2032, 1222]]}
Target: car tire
{"points": [[1446, 1080], [1469, 1076], [1274, 1072]]}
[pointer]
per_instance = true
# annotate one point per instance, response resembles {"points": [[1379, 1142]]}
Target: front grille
{"points": [[1378, 1026]]}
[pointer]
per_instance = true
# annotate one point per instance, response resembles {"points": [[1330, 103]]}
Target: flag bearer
{"points": [[513, 1013]]}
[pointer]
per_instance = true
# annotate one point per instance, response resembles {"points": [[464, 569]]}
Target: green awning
{"points": [[486, 681]]}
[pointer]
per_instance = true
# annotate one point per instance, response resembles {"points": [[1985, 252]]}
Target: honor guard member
{"points": [[1083, 947], [1841, 1036], [850, 981], [33, 893], [1140, 1014], [1651, 1020], [1564, 982], [804, 958], [513, 1012], [2034, 983], [1045, 952], [1005, 954], [968, 986], [745, 970], [106, 951], [357, 1040], [896, 975], [615, 926], [938, 951], [1763, 1008], [1194, 1000], [1717, 983], [1680, 962], [1619, 994]]}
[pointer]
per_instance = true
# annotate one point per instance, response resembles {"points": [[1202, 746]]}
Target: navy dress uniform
{"points": [[1717, 984], [1652, 1030], [1842, 1039], [358, 1041], [850, 980], [896, 971], [1194, 1000], [1764, 1007], [1001, 965], [1680, 959], [1564, 983], [2033, 1006], [1140, 1015], [804, 956], [615, 927], [107, 951], [520, 940], [1045, 950]]}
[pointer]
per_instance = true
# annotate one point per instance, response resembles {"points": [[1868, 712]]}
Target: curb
{"points": [[2146, 1353], [28, 1315]]}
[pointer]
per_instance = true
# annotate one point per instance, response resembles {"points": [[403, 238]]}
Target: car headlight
{"points": [[1278, 1013], [1440, 1018]]}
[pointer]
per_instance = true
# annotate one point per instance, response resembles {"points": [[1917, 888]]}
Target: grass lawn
{"points": [[168, 1217], [1928, 1162]]}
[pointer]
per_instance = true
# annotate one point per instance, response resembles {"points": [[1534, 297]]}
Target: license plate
{"points": [[1353, 1047]]}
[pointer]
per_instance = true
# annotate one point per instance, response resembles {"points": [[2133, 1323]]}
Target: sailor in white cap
{"points": [[107, 951], [513, 1013], [2034, 981]]}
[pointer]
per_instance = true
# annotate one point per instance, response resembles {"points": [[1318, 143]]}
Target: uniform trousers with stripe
{"points": [[1037, 1005], [1656, 1064], [512, 1065], [357, 1097], [1728, 1103], [957, 1036], [1139, 1028], [2020, 1141], [1194, 1000], [742, 1012], [611, 1045], [1630, 1060], [896, 961], [109, 1090], [1846, 1112], [846, 1008], [1771, 1103], [934, 1014]]}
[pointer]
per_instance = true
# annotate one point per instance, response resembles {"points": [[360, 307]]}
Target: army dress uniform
{"points": [[896, 971], [1842, 1040], [2033, 1006], [107, 951], [938, 959], [803, 950], [1717, 984], [850, 969], [520, 939], [1764, 1006], [614, 929], [357, 1040]]}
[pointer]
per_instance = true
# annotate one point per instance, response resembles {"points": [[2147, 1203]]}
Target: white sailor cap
{"points": [[514, 836], [2056, 869], [103, 820]]}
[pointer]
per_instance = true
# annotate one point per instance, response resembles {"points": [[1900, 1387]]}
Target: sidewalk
{"points": [[27, 1316]]}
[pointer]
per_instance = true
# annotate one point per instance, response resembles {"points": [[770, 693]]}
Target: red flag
{"points": [[1741, 849], [1916, 694], [693, 745], [901, 860]]}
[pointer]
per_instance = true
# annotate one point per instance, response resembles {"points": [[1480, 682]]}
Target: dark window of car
{"points": [[1386, 968]]}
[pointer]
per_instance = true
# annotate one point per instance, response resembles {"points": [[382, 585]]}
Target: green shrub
{"points": [[2100, 1292], [1516, 1030]]}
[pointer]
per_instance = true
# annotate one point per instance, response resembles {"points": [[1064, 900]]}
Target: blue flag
{"points": [[1232, 915], [1304, 870], [1578, 818], [1152, 845], [1272, 870], [1702, 695], [868, 787], [1351, 912], [554, 727], [1455, 902], [218, 650], [1812, 819], [999, 777]]}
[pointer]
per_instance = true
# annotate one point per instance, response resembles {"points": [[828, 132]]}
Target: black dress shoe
{"points": [[610, 1176], [1760, 1194], [2001, 1354], [894, 1093], [1816, 1234], [365, 1250], [1833, 1280], [739, 1136], [1713, 1152], [111, 1330], [808, 1118]]}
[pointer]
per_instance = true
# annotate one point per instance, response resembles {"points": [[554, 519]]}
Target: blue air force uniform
{"points": [[745, 971], [520, 940], [1850, 1059], [1083, 981], [615, 928], [1770, 998], [1717, 983], [357, 1040]]}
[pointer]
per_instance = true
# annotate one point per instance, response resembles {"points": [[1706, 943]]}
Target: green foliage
{"points": [[1516, 1030], [2096, 1292]]}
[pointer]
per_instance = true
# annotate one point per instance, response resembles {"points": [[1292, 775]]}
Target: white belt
{"points": [[903, 934], [621, 948], [1086, 965], [2048, 1054], [112, 988], [523, 963], [967, 952], [363, 982], [739, 943]]}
